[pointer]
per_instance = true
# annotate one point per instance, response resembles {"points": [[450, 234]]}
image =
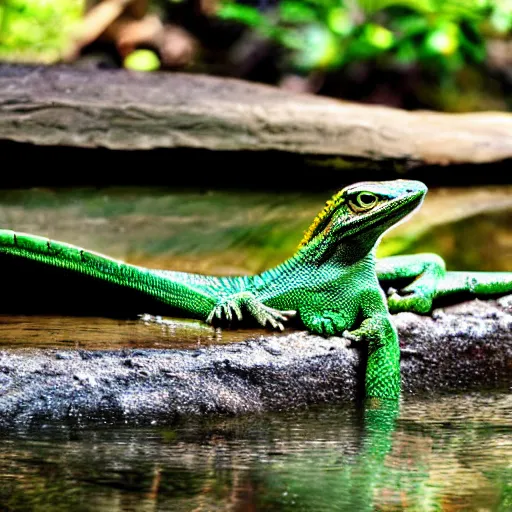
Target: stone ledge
{"points": [[462, 347], [62, 106]]}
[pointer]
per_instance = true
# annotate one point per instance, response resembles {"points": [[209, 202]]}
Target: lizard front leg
{"points": [[382, 378], [232, 306], [324, 322], [383, 369]]}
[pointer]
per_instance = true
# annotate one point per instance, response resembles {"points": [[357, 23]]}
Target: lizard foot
{"points": [[231, 308], [350, 335], [377, 330], [326, 323], [409, 299]]}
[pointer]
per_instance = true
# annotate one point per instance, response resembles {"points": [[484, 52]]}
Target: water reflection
{"points": [[450, 453], [99, 333]]}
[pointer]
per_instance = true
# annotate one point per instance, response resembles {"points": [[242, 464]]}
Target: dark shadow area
{"points": [[34, 288], [35, 166]]}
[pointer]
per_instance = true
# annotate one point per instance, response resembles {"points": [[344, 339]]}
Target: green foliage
{"points": [[36, 30], [440, 35]]}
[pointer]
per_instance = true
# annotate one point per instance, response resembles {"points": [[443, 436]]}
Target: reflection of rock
{"points": [[125, 111], [223, 232], [450, 223], [467, 346]]}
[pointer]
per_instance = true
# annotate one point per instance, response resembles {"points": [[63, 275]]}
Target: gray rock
{"points": [[462, 347], [124, 110]]}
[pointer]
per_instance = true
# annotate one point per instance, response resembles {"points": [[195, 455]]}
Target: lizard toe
{"points": [[231, 308], [410, 301]]}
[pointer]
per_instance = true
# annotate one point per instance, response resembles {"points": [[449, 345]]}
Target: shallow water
{"points": [[97, 333], [449, 453]]}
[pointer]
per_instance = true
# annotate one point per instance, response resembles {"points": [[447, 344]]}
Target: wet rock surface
{"points": [[460, 347]]}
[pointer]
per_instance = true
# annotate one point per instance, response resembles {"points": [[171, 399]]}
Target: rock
{"points": [[62, 106], [461, 347]]}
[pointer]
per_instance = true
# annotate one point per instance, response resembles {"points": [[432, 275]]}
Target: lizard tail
{"points": [[477, 283], [78, 261]]}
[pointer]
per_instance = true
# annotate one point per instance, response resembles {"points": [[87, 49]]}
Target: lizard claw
{"points": [[266, 315], [231, 307], [351, 336]]}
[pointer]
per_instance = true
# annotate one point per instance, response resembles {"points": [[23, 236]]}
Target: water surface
{"points": [[103, 333], [450, 453]]}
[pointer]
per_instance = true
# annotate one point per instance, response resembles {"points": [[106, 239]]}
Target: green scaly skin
{"points": [[331, 284]]}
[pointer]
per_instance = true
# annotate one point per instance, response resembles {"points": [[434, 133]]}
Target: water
{"points": [[18, 332], [449, 453]]}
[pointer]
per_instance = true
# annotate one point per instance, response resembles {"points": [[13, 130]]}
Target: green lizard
{"points": [[331, 284]]}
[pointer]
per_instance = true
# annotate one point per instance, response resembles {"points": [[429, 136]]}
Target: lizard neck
{"points": [[318, 265], [345, 253]]}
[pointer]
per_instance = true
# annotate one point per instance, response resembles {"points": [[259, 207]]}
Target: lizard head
{"points": [[361, 213]]}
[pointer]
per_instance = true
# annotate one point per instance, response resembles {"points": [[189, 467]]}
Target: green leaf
{"points": [[462, 9], [443, 40], [501, 19], [296, 12], [340, 22], [411, 25], [471, 42], [372, 6], [406, 52], [142, 60], [319, 49], [378, 36], [242, 13]]}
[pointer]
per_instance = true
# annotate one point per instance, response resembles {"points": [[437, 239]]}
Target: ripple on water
{"points": [[445, 453]]}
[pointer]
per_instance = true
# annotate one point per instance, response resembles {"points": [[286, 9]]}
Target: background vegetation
{"points": [[444, 54]]}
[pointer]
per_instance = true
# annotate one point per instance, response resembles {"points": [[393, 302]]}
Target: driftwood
{"points": [[462, 347], [126, 110]]}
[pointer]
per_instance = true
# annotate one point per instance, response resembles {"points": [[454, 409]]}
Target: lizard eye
{"points": [[363, 201]]}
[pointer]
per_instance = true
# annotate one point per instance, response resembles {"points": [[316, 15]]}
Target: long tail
{"points": [[159, 285], [478, 283]]}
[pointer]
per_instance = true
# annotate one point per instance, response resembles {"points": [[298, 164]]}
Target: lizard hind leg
{"points": [[476, 283], [232, 307], [425, 270], [324, 323]]}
